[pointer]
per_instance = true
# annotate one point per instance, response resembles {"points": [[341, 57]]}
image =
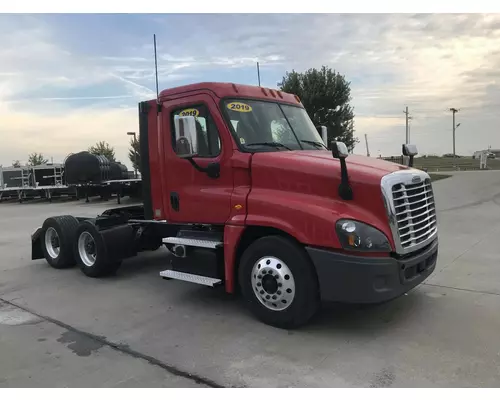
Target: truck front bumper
{"points": [[354, 279]]}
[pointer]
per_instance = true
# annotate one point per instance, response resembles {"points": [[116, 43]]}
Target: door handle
{"points": [[174, 201]]}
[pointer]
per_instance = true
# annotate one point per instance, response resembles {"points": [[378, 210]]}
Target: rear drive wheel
{"points": [[278, 282], [90, 252], [58, 234]]}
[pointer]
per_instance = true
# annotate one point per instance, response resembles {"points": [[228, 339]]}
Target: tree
{"points": [[103, 149], [16, 163], [134, 154], [36, 159], [325, 95]]}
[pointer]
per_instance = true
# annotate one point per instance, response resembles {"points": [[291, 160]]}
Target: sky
{"points": [[70, 80]]}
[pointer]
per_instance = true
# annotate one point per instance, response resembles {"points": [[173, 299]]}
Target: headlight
{"points": [[357, 236]]}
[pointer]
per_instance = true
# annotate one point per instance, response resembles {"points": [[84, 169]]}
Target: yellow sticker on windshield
{"points": [[190, 112], [240, 107]]}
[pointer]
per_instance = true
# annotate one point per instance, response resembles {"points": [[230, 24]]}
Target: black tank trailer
{"points": [[95, 175]]}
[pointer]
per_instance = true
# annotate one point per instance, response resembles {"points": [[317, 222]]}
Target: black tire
{"points": [[102, 266], [65, 227], [306, 299]]}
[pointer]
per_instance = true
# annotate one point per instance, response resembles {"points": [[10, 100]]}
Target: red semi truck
{"points": [[240, 187]]}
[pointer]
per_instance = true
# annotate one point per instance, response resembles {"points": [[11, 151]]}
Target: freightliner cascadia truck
{"points": [[243, 192]]}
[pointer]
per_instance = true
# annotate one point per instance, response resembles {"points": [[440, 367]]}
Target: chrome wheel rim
{"points": [[52, 243], [273, 283], [87, 249]]}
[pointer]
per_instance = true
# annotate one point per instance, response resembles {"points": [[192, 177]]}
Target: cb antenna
{"points": [[156, 71]]}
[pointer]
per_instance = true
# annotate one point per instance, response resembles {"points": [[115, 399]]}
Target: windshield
{"points": [[266, 126]]}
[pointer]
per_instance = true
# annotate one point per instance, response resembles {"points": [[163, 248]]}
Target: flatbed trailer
{"points": [[48, 192], [27, 186], [273, 215], [106, 189], [32, 182]]}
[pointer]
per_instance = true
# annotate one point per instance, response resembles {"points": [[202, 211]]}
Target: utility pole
{"points": [[454, 111], [407, 127], [258, 72], [367, 150]]}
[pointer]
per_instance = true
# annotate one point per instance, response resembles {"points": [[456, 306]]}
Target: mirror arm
{"points": [[196, 166], [410, 161], [345, 189], [211, 172]]}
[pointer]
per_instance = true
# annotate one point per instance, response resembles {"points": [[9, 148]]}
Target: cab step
{"points": [[208, 244], [183, 276]]}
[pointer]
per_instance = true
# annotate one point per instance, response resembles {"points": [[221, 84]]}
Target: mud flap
{"points": [[36, 245]]}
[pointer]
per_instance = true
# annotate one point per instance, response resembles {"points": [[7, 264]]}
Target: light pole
{"points": [[135, 153]]}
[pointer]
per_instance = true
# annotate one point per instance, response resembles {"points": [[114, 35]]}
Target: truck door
{"points": [[193, 196]]}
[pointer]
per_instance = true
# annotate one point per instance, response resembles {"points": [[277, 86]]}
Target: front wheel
{"points": [[278, 282]]}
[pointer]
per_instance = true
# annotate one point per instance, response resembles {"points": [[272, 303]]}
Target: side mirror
{"points": [[410, 150], [186, 145], [339, 150], [323, 132], [186, 139]]}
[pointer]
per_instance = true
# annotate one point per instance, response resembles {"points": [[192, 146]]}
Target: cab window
{"points": [[209, 144]]}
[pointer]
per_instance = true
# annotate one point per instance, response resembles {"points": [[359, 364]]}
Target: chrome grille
{"points": [[415, 212]]}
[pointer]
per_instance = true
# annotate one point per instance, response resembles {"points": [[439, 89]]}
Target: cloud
{"points": [[70, 132], [61, 87], [32, 62]]}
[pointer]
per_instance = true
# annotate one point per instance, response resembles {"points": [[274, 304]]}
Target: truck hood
{"points": [[320, 164], [315, 176]]}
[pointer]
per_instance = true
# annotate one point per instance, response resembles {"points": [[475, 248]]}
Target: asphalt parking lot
{"points": [[60, 328]]}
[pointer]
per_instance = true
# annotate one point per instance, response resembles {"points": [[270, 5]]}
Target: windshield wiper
{"points": [[317, 144], [270, 144]]}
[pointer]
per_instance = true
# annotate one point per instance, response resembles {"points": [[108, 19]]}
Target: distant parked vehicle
{"points": [[477, 154]]}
